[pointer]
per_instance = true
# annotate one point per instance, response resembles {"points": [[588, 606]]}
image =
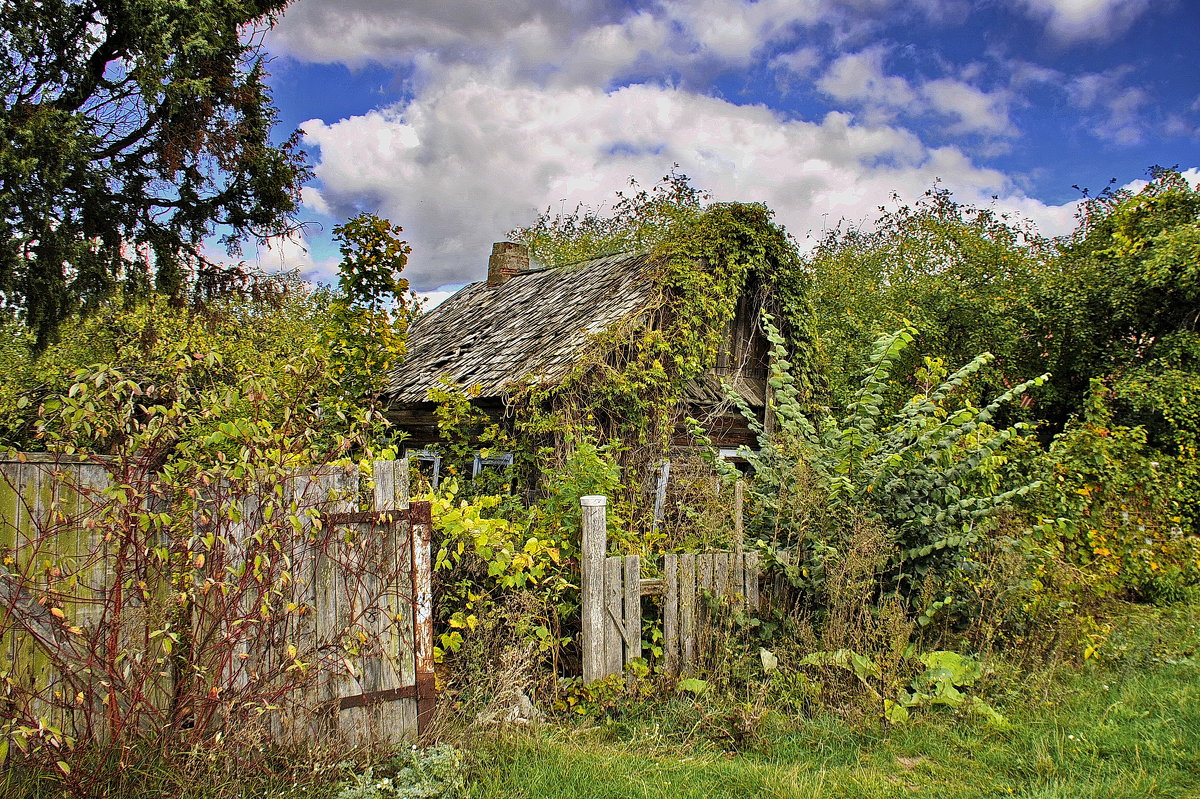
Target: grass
{"points": [[1126, 725]]}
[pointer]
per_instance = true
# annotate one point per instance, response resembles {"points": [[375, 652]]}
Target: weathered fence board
{"points": [[671, 636], [612, 589], [591, 586], [338, 639], [687, 607]]}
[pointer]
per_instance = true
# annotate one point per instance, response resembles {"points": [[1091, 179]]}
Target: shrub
{"points": [[929, 472]]}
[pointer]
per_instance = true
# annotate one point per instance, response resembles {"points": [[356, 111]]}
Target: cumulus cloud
{"points": [[862, 79], [357, 31], [1076, 20], [1120, 108], [973, 110], [801, 62], [595, 42], [476, 155]]}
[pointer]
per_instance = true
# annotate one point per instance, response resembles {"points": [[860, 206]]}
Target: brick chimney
{"points": [[507, 259]]}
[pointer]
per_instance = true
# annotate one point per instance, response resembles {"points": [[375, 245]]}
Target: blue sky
{"points": [[460, 119]]}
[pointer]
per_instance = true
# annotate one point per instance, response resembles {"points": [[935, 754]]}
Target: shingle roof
{"points": [[530, 328]]}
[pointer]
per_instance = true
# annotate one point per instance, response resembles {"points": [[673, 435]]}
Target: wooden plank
{"points": [[325, 689], [660, 495], [66, 551], [593, 544], [28, 661], [751, 573], [348, 585], [94, 477], [10, 511], [721, 567], [406, 619], [736, 585], [391, 484], [671, 613], [651, 586], [360, 595], [298, 719], [633, 608], [614, 615], [687, 610], [41, 672], [243, 660], [739, 528], [704, 572], [395, 721]]}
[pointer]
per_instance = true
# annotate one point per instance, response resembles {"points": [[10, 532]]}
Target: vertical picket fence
{"points": [[612, 588], [337, 642]]}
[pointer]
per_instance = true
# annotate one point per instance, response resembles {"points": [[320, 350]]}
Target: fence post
{"points": [[739, 529], [592, 551]]}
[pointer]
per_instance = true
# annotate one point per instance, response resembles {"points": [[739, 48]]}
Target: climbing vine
{"points": [[630, 382]]}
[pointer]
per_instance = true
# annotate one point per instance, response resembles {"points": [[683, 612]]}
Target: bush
{"points": [[929, 474]]}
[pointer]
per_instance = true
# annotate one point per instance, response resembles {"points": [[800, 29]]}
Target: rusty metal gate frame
{"points": [[420, 519]]}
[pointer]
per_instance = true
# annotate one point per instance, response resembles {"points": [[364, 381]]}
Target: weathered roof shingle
{"points": [[531, 328]]}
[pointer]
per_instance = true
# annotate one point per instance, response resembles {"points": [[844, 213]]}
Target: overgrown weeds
{"points": [[1125, 725]]}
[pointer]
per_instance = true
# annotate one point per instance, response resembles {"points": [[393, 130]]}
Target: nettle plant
{"points": [[930, 470]]}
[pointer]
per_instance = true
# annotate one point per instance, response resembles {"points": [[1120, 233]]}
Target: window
{"points": [[428, 462], [499, 461]]}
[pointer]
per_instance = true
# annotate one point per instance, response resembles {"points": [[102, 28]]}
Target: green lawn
{"points": [[1127, 726]]}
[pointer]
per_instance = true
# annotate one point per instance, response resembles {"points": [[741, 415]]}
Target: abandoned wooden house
{"points": [[527, 326]]}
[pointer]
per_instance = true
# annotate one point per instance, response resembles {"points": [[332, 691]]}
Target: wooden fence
{"points": [[284, 605], [612, 589]]}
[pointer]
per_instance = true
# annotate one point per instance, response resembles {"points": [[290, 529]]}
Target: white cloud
{"points": [[860, 78], [1180, 126], [734, 30], [1076, 20], [293, 253], [477, 154], [357, 31], [594, 42], [1121, 118], [801, 62], [976, 111]]}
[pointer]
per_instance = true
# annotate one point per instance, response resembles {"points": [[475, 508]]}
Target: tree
{"points": [[130, 131], [637, 221], [1126, 288], [370, 312], [961, 275]]}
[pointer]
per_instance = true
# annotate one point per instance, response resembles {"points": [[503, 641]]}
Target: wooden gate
{"points": [[612, 588], [324, 631]]}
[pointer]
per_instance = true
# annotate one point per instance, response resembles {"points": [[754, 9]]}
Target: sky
{"points": [[462, 119]]}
